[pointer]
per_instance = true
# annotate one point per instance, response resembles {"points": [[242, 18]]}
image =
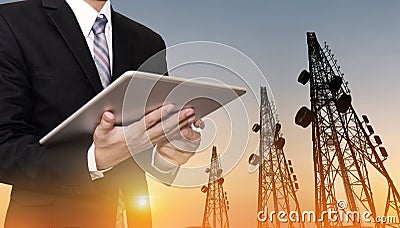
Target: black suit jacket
{"points": [[47, 73]]}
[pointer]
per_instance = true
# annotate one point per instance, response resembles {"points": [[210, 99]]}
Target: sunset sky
{"points": [[363, 34]]}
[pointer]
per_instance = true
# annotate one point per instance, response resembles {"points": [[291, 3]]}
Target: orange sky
{"points": [[181, 207]]}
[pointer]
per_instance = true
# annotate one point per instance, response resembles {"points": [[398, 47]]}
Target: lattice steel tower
{"points": [[277, 184], [217, 205], [343, 150]]}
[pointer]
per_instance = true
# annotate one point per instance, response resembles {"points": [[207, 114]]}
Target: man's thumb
{"points": [[107, 121]]}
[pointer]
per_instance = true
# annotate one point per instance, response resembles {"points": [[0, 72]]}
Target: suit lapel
{"points": [[66, 23], [123, 46]]}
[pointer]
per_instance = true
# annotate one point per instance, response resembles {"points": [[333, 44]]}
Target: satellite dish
{"points": [[304, 77], [343, 103], [304, 117]]}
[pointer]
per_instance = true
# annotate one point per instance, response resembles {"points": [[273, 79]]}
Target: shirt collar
{"points": [[86, 14]]}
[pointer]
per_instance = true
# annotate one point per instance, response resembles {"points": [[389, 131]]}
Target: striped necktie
{"points": [[102, 61], [100, 50]]}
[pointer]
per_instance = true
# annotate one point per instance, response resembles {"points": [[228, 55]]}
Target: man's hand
{"points": [[180, 147], [115, 144]]}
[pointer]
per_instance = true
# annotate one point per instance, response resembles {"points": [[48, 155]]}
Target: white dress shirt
{"points": [[86, 16]]}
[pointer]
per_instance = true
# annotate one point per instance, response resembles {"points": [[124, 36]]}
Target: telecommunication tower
{"points": [[217, 204], [277, 185], [343, 150]]}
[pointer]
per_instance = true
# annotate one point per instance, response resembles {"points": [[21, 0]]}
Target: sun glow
{"points": [[143, 201]]}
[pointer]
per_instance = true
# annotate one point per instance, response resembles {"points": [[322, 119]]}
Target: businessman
{"points": [[55, 55]]}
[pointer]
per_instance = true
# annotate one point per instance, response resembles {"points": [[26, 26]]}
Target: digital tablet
{"points": [[136, 93]]}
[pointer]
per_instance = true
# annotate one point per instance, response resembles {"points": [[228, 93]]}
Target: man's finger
{"points": [[185, 118], [107, 122], [172, 123], [160, 129], [199, 124], [155, 116], [189, 134]]}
